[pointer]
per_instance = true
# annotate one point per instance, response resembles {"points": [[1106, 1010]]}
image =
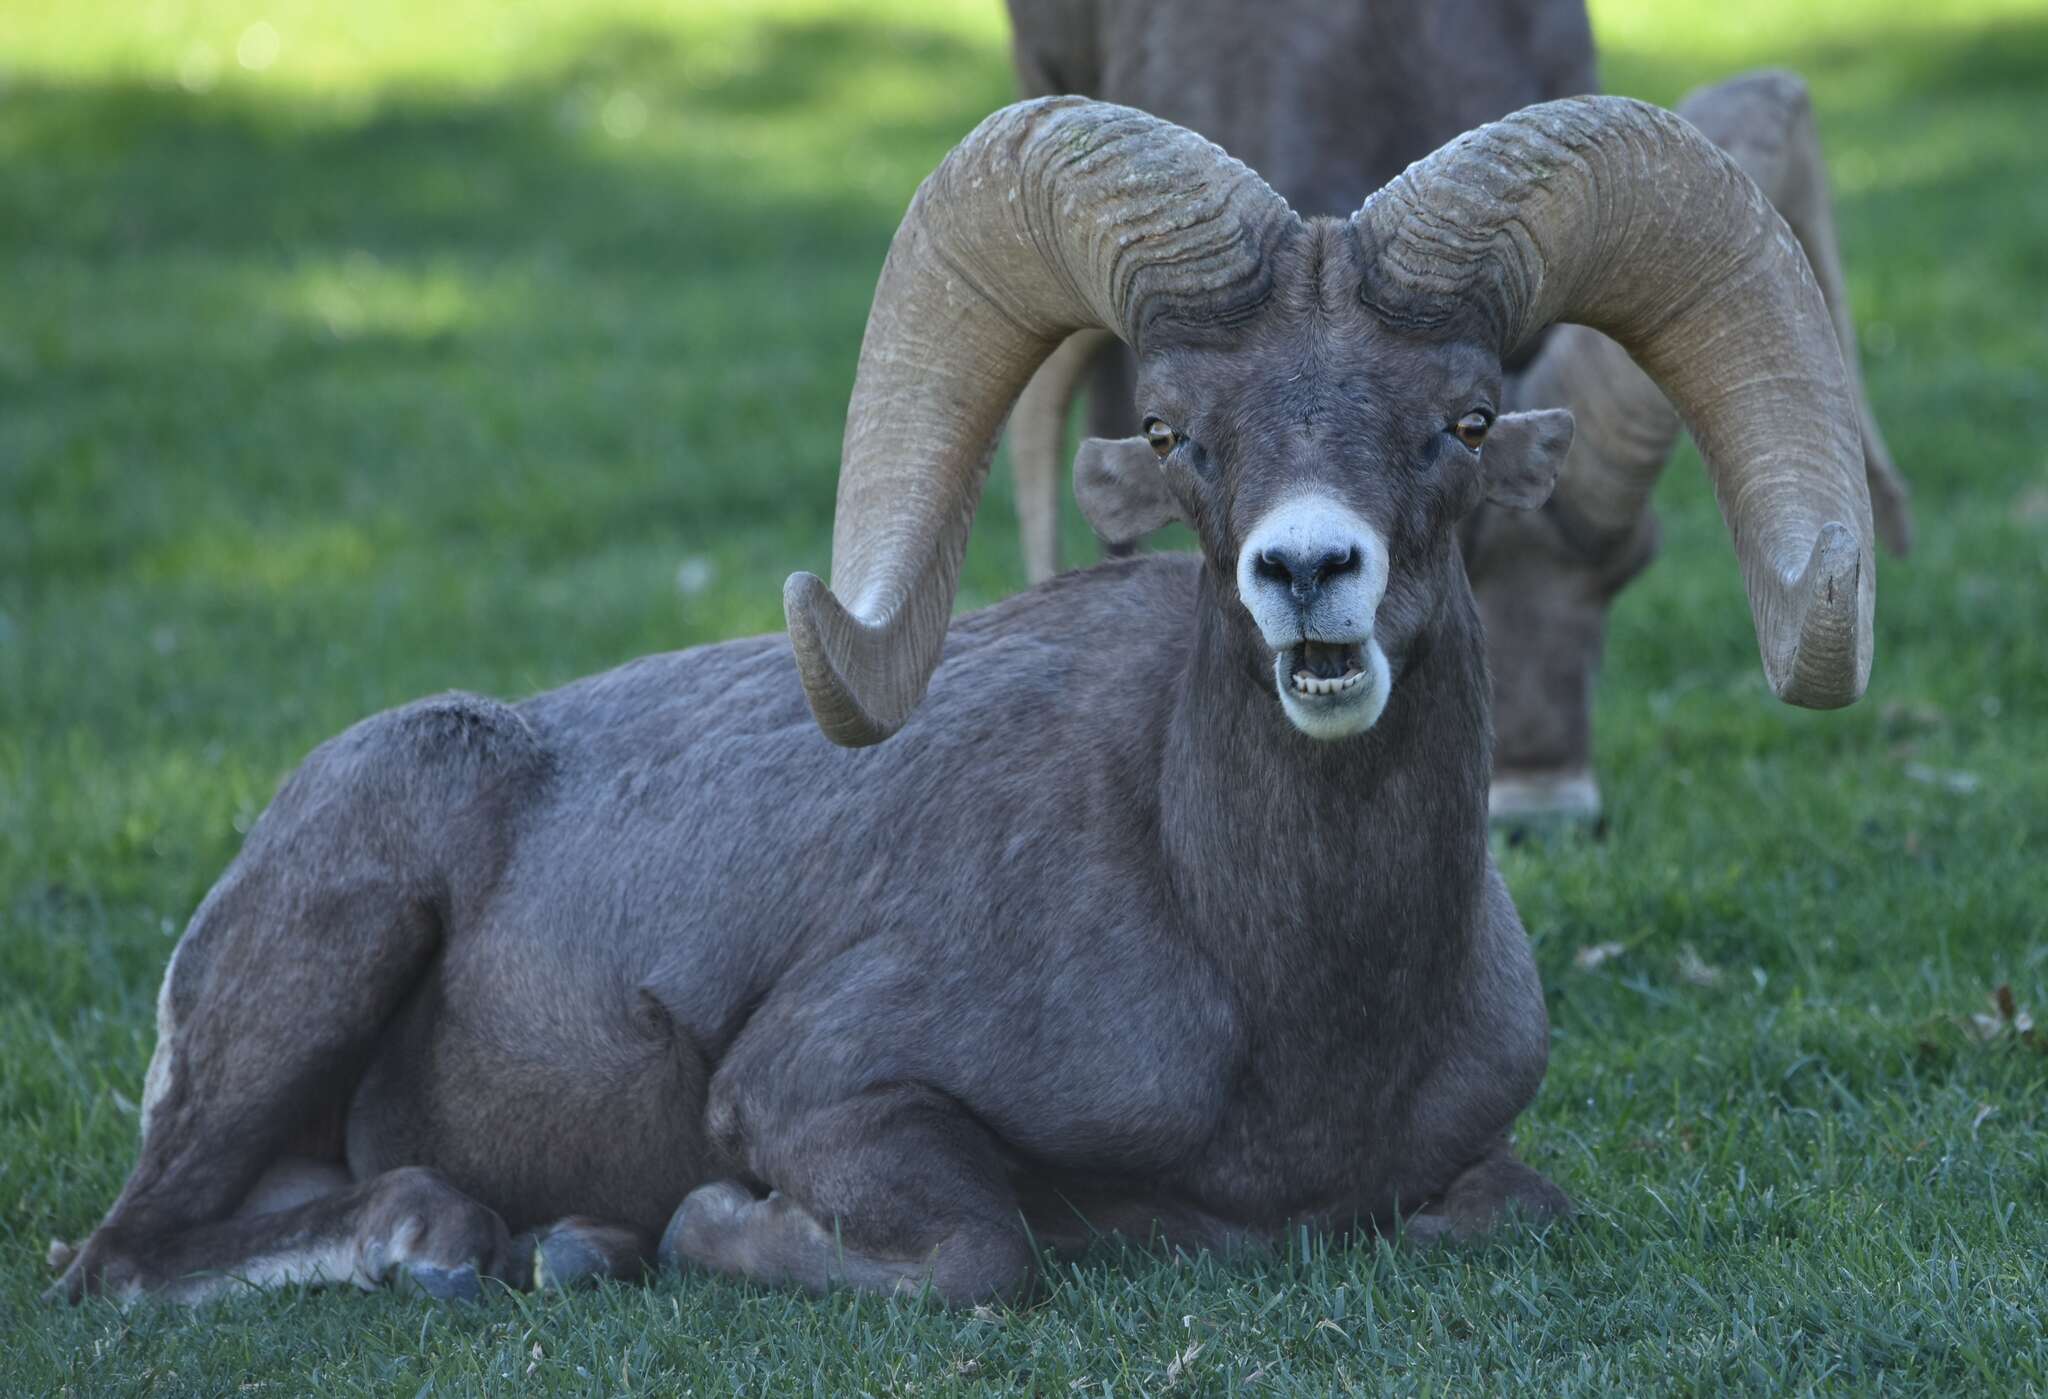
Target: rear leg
{"points": [[292, 1181], [305, 1224], [290, 969], [408, 1226]]}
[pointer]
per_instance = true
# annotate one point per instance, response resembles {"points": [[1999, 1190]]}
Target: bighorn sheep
{"points": [[1173, 910], [1328, 101]]}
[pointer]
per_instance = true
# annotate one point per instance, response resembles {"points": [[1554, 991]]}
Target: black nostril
{"points": [[1335, 562], [1303, 574]]}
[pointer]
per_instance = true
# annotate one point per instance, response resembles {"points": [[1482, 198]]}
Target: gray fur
{"points": [[1100, 941], [1328, 101]]}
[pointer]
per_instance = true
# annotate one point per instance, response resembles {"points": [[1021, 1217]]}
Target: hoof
{"points": [[103, 1265], [565, 1257], [706, 1214], [1523, 803], [1425, 1231], [458, 1284]]}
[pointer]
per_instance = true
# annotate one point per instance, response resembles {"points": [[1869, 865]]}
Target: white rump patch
{"points": [[157, 1081]]}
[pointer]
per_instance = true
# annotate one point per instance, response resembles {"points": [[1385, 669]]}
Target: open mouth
{"points": [[1333, 689], [1325, 669]]}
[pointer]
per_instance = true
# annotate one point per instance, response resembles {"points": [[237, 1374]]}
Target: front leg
{"points": [[1471, 1100], [892, 1191], [1496, 1189]]}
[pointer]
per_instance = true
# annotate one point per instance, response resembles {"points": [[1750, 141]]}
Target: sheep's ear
{"points": [[1121, 489], [1522, 456]]}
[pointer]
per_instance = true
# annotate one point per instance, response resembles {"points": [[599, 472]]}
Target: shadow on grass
{"points": [[645, 269], [687, 232], [309, 408], [540, 160]]}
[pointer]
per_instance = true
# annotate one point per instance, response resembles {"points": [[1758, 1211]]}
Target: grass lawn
{"points": [[354, 352]]}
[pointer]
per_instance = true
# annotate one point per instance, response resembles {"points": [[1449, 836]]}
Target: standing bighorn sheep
{"points": [[1329, 101], [1172, 911]]}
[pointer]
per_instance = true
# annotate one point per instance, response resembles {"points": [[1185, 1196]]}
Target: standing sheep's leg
{"points": [[892, 1192], [274, 999], [1038, 442], [1112, 409], [1545, 579]]}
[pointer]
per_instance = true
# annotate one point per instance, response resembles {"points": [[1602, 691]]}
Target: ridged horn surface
{"points": [[1622, 216], [1053, 216]]}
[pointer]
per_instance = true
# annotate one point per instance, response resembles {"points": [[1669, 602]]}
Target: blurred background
{"points": [[350, 352], [353, 352]]}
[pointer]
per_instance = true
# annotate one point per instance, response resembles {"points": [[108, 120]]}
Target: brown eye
{"points": [[1163, 438], [1471, 429]]}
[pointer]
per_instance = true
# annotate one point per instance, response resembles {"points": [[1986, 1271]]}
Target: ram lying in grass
{"points": [[1169, 910]]}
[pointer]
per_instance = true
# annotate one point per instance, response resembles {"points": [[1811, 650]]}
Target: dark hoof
{"points": [[102, 1266], [1426, 1231], [566, 1258], [457, 1284]]}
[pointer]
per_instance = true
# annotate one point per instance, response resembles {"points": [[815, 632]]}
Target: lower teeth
{"points": [[1308, 684]]}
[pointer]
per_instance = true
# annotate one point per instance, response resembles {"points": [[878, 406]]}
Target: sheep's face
{"points": [[1325, 463]]}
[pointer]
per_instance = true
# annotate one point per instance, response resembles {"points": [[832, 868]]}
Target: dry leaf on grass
{"points": [[1182, 1361], [2007, 1017], [1594, 954]]}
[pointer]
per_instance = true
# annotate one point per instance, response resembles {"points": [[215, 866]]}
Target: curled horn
{"points": [[1623, 217], [1053, 216]]}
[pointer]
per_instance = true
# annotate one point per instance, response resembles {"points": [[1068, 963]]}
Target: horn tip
{"points": [[821, 634], [1829, 663]]}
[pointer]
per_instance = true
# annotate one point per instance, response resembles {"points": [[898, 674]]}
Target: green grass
{"points": [[421, 352]]}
